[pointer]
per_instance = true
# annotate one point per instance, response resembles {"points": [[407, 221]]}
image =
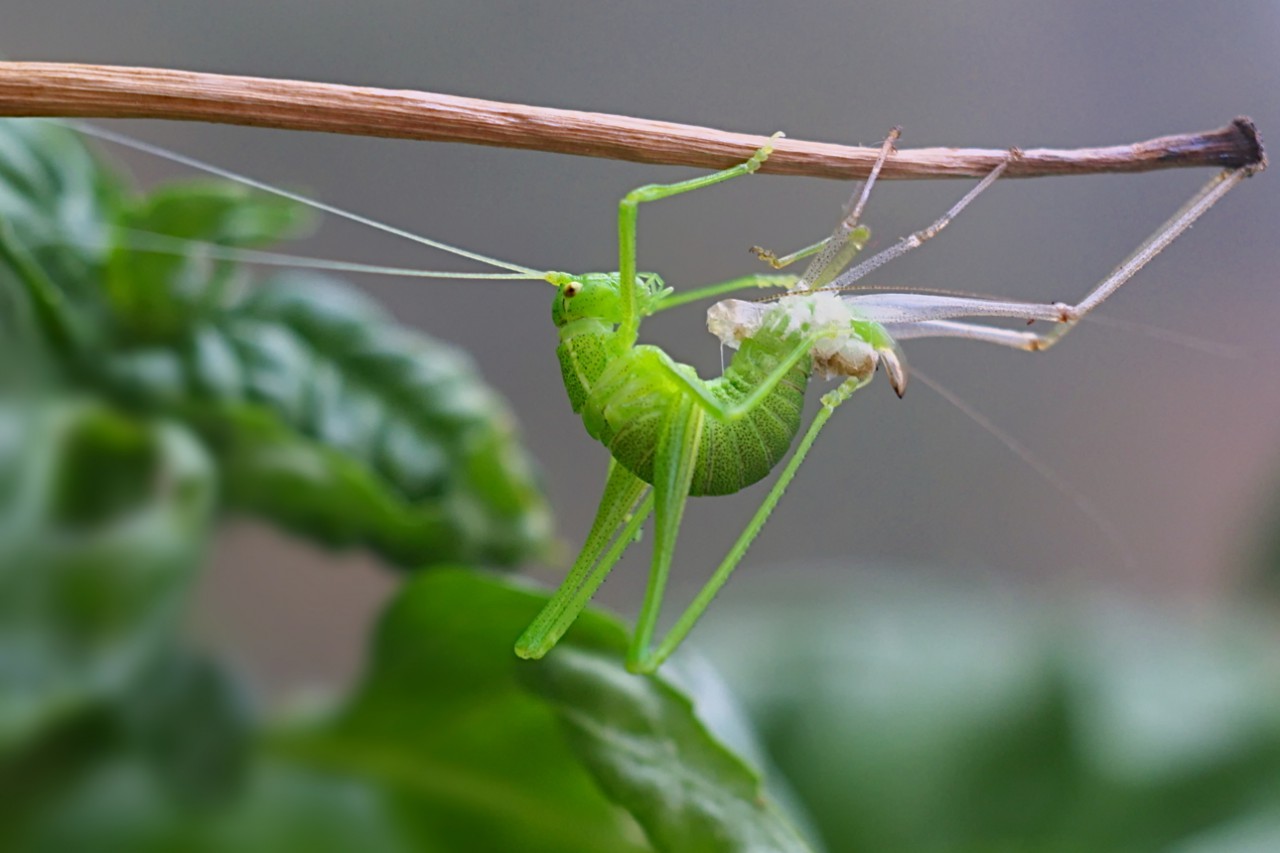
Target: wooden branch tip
{"points": [[104, 91]]}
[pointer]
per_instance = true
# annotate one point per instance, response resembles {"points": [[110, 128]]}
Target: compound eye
{"points": [[571, 289]]}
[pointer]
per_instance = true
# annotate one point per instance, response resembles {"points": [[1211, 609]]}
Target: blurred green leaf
{"points": [[160, 766], [56, 206], [191, 720], [58, 202], [102, 524], [330, 419], [304, 484], [162, 272], [361, 431], [444, 719], [120, 803], [442, 747], [324, 415], [931, 716]]}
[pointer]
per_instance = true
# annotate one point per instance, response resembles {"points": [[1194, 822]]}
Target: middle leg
{"points": [[914, 241], [835, 252]]}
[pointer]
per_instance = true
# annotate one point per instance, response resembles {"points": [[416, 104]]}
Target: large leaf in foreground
{"points": [[649, 751], [445, 721]]}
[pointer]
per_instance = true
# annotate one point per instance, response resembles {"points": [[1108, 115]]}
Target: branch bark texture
{"points": [[101, 91]]}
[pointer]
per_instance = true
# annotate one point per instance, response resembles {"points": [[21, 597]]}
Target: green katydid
{"points": [[673, 435]]}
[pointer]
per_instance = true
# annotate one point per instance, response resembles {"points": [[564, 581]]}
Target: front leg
{"points": [[627, 210], [835, 252]]}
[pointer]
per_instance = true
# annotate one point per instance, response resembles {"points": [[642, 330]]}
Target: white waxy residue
{"points": [[839, 352]]}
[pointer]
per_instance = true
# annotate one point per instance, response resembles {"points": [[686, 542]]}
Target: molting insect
{"points": [[672, 434]]}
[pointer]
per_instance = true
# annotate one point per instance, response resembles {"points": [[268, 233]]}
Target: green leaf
{"points": [[58, 201], [306, 485], [191, 721], [446, 720], [410, 411], [120, 803], [159, 295], [163, 763], [326, 415], [102, 523], [646, 747], [56, 206]]}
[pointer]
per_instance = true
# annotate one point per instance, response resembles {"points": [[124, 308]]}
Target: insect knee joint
{"points": [[1066, 313]]}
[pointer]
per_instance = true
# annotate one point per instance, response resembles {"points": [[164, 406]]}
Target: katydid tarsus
{"points": [[673, 435]]}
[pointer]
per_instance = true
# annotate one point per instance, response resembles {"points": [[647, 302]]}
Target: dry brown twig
{"points": [[102, 91]]}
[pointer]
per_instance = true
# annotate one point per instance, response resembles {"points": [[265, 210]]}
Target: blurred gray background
{"points": [[1175, 446]]}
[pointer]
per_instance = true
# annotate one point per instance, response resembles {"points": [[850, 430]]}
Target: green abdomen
{"points": [[624, 399], [734, 455]]}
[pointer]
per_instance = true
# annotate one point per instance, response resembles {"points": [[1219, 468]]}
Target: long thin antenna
{"points": [[915, 240], [164, 244], [193, 163]]}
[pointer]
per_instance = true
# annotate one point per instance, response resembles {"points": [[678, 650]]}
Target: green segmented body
{"points": [[625, 401], [672, 434]]}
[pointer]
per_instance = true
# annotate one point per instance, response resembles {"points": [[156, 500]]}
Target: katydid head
{"points": [[592, 296], [598, 296]]}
